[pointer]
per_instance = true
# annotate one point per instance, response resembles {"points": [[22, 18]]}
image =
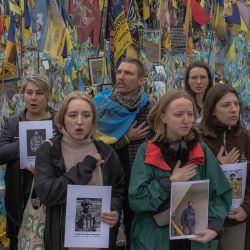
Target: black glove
{"points": [[81, 174], [89, 164]]}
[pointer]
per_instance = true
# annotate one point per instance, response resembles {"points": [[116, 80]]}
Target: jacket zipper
{"points": [[225, 142]]}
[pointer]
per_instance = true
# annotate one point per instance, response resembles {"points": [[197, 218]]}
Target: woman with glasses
{"points": [[198, 80], [36, 94]]}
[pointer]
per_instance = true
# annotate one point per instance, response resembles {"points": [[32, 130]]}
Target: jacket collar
{"points": [[155, 158]]}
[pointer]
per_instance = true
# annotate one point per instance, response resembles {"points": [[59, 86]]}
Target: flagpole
{"points": [[21, 40], [103, 8], [160, 29]]}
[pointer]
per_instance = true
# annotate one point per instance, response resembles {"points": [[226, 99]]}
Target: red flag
{"points": [[96, 31], [199, 14], [87, 19]]}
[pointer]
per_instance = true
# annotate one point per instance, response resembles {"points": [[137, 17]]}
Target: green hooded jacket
{"points": [[146, 195]]}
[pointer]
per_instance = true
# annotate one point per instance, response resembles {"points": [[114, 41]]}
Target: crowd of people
{"points": [[118, 139]]}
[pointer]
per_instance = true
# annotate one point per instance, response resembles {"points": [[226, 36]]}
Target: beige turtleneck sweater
{"points": [[75, 151]]}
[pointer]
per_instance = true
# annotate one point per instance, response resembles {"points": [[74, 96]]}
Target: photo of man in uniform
{"points": [[188, 219]]}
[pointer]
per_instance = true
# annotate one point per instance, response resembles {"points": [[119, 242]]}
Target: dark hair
{"points": [[138, 63], [154, 116], [203, 65], [213, 96]]}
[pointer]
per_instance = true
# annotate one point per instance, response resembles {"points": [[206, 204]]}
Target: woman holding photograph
{"points": [[223, 134], [175, 153], [198, 80], [36, 94], [75, 157]]}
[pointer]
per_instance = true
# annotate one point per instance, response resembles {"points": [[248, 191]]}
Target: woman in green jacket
{"points": [[175, 153]]}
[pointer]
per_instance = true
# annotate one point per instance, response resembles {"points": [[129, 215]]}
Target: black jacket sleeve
{"points": [[113, 175], [9, 146], [51, 182]]}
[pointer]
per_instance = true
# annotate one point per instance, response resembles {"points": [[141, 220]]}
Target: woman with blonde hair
{"points": [[76, 157], [36, 95], [174, 153]]}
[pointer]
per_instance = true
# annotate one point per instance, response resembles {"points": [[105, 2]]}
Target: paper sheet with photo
{"points": [[31, 135], [188, 208], [236, 175], [83, 226]]}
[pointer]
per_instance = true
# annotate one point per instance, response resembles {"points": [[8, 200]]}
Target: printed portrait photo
{"points": [[34, 139], [88, 214]]}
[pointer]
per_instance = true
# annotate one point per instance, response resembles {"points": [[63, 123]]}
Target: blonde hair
{"points": [[154, 116], [41, 81], [75, 95]]}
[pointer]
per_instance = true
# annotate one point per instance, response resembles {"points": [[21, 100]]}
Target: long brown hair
{"points": [[213, 96], [202, 65]]}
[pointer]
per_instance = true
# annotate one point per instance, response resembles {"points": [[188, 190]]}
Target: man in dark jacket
{"points": [[121, 120]]}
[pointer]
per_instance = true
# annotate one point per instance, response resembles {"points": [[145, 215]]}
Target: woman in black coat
{"points": [[36, 94], [75, 157]]}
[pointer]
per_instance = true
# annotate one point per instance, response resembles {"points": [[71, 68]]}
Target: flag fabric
{"points": [[1, 20], [26, 23], [56, 32], [235, 18], [146, 10], [134, 23], [68, 45], [199, 14], [244, 13], [9, 68], [109, 112], [14, 7], [165, 23], [119, 34], [95, 35], [87, 19], [219, 23], [40, 23], [223, 46], [81, 84]]}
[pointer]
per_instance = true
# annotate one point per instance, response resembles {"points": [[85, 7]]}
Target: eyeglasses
{"points": [[195, 78]]}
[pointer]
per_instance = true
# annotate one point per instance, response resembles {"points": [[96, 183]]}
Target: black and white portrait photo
{"points": [[88, 214], [34, 139]]}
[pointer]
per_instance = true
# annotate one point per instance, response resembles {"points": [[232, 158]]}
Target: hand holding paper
{"points": [[238, 214], [110, 218], [183, 174], [204, 236], [31, 168], [231, 157]]}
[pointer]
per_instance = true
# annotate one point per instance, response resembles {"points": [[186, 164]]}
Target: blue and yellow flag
{"points": [[119, 34], [110, 115], [40, 23], [56, 32], [134, 22], [9, 68], [50, 28]]}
